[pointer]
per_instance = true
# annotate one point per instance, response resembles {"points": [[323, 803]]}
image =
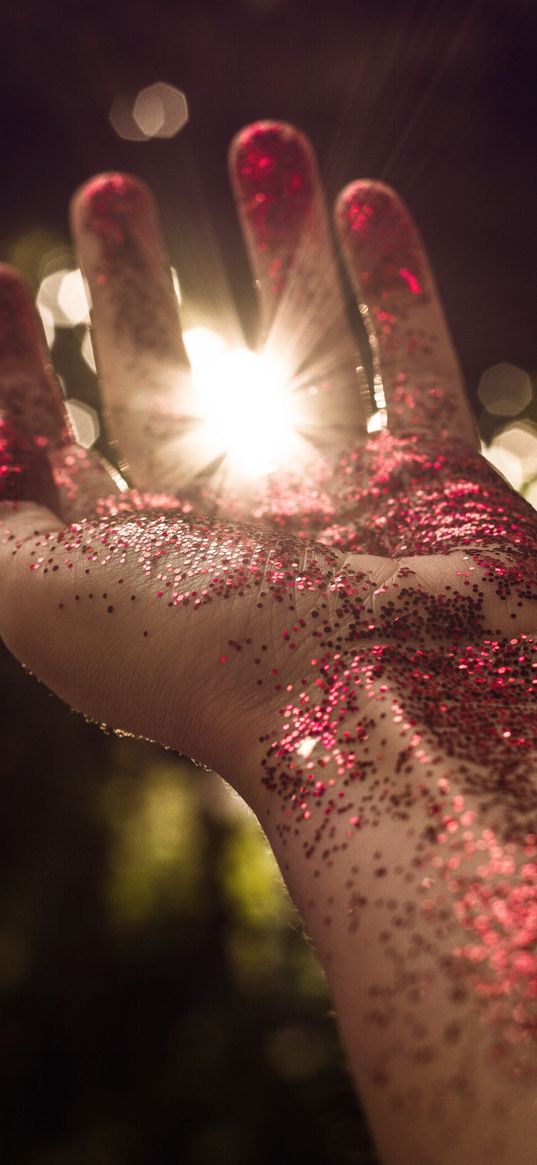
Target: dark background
{"points": [[158, 1003]]}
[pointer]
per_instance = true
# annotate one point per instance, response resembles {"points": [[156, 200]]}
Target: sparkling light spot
{"points": [[411, 280], [306, 746], [377, 421], [246, 403], [176, 285]]}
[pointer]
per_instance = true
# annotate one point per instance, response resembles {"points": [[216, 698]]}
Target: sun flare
{"points": [[246, 403]]}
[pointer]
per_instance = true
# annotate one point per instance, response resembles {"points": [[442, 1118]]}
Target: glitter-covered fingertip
{"points": [[380, 238], [274, 172], [21, 333], [110, 204]]}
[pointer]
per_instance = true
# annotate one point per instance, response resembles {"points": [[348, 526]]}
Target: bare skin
{"points": [[350, 641]]}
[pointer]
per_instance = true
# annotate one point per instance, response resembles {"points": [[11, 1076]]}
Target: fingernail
{"points": [[25, 473]]}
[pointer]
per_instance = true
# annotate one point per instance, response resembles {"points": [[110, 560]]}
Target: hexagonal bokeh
{"points": [[505, 390], [513, 452], [84, 420], [157, 111]]}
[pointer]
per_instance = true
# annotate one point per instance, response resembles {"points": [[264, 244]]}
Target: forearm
{"points": [[420, 934], [404, 834]]}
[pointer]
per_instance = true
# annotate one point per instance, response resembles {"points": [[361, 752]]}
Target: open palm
{"points": [[151, 612]]}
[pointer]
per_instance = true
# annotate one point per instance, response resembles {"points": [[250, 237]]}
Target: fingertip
{"points": [[381, 242], [271, 158], [115, 224], [276, 185], [361, 203], [21, 329], [271, 134], [367, 208], [12, 277], [107, 203]]}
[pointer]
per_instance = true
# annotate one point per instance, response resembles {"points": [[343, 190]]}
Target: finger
{"points": [[29, 392], [417, 375], [304, 321], [29, 505], [25, 471], [142, 362], [31, 402]]}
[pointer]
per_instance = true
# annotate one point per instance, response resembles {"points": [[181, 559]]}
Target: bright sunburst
{"points": [[246, 402]]}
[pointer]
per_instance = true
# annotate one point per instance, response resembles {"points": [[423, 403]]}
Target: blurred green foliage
{"points": [[158, 1000]]}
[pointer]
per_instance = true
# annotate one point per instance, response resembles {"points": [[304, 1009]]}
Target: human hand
{"points": [[357, 660], [162, 614]]}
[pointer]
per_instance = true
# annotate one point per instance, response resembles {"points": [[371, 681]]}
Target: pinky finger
{"points": [[417, 374]]}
